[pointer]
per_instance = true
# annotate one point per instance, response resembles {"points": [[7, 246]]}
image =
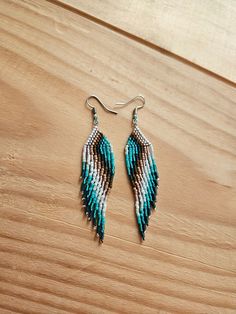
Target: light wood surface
{"points": [[51, 60], [202, 32]]}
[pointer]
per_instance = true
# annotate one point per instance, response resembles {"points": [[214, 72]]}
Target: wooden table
{"points": [[181, 55]]}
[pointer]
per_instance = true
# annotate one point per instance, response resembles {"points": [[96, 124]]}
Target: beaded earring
{"points": [[142, 170], [98, 169]]}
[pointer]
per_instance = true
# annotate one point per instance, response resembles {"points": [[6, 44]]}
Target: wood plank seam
{"points": [[142, 41]]}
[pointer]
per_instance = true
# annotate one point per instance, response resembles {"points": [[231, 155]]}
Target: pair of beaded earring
{"points": [[98, 169]]}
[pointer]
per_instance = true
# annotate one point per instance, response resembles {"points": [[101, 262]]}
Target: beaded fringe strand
{"points": [[143, 175], [98, 170]]}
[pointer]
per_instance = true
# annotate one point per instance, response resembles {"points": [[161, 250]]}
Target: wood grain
{"points": [[51, 60], [202, 32]]}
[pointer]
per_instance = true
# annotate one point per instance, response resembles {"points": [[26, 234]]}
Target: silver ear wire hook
{"points": [[135, 112], [94, 111], [140, 97], [100, 102]]}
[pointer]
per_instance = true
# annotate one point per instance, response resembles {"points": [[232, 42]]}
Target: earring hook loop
{"points": [[139, 97], [135, 112], [93, 108]]}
